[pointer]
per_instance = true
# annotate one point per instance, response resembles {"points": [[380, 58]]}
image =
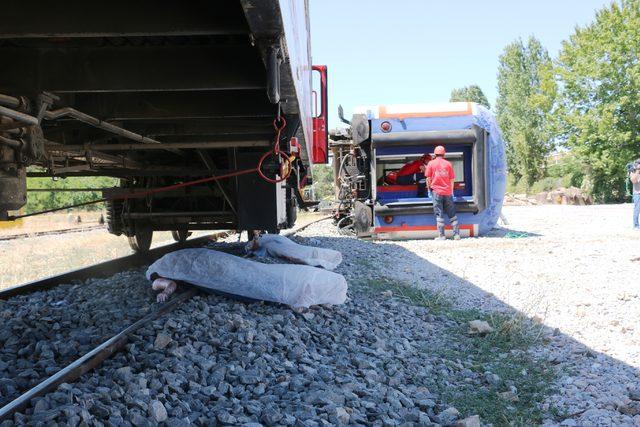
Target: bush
{"points": [[323, 182], [568, 172], [49, 200]]}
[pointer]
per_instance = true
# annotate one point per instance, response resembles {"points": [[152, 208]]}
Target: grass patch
{"points": [[502, 352]]}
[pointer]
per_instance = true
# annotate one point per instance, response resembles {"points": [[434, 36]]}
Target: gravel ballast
{"points": [[218, 360], [387, 357], [44, 331]]}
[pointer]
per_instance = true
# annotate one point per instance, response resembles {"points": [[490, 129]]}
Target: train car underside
{"points": [[155, 94]]}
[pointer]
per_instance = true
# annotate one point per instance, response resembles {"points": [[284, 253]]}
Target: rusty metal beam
{"points": [[127, 173], [60, 148], [176, 105]]}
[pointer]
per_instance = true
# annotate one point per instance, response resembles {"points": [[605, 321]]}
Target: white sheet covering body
{"points": [[282, 247], [294, 285]]}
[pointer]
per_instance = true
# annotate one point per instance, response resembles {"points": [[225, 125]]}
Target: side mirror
{"points": [[341, 116]]}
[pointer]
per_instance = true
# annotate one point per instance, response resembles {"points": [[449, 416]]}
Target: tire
{"points": [[141, 241], [180, 236]]}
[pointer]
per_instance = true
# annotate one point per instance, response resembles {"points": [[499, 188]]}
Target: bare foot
{"points": [[167, 287]]}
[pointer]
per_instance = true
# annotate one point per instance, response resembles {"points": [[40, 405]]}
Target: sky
{"points": [[411, 51]]}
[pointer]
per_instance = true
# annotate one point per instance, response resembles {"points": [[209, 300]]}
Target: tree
{"points": [[323, 182], [38, 201], [599, 72], [526, 96], [471, 93]]}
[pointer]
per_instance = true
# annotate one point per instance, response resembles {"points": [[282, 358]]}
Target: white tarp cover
{"points": [[294, 285], [282, 247]]}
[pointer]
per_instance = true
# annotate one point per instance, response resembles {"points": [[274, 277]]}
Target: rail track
{"points": [[51, 232], [93, 358], [103, 350]]}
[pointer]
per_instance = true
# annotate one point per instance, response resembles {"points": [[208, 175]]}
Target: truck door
{"points": [[320, 120]]}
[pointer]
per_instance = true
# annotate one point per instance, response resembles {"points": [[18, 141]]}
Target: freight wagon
{"points": [[167, 96]]}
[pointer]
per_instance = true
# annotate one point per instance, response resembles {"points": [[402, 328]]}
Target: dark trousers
{"points": [[416, 178], [444, 205]]}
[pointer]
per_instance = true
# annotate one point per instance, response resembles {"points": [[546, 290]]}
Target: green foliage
{"points": [[526, 95], [43, 201], [471, 93], [323, 182], [599, 113], [570, 168], [568, 172]]}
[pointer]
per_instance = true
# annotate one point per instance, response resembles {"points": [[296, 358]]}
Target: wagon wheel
{"points": [[141, 241], [181, 235]]}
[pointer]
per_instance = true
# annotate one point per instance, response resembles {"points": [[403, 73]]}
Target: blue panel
{"points": [[414, 124]]}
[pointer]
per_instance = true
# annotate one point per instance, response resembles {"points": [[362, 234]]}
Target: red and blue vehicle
{"points": [[384, 138]]}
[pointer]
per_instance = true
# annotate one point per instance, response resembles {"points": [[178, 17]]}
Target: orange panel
{"points": [[383, 114]]}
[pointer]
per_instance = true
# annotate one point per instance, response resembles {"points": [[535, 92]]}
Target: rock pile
{"points": [[564, 196], [559, 196], [44, 331], [220, 361]]}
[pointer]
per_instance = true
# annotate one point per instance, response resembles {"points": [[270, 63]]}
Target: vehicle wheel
{"points": [[141, 241], [292, 212], [180, 236]]}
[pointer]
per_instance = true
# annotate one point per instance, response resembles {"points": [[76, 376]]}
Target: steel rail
{"points": [[74, 148], [92, 359], [97, 123], [67, 190], [51, 232]]}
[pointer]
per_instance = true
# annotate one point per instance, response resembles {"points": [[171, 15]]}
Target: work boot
{"points": [[456, 228]]}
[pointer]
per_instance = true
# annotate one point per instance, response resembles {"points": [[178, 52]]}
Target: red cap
{"points": [[439, 151]]}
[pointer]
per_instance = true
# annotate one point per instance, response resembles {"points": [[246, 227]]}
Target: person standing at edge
{"points": [[440, 178], [635, 181]]}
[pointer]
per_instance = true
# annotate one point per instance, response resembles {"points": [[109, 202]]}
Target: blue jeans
{"points": [[442, 205], [636, 210]]}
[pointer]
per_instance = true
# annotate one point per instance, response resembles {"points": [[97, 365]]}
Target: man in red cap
{"points": [[440, 178]]}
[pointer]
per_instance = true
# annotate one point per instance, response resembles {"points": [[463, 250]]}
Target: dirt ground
{"points": [[576, 269], [28, 259], [49, 222]]}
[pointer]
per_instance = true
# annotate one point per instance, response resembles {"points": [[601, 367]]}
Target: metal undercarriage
{"points": [[154, 93]]}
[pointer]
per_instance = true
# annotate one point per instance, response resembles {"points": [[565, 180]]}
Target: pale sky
{"points": [[410, 51]]}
